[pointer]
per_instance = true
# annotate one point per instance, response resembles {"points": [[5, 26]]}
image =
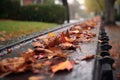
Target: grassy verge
{"points": [[11, 29]]}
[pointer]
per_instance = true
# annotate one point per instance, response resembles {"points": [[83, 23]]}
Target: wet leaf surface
{"points": [[62, 66]]}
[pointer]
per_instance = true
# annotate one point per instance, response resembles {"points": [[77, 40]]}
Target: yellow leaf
{"points": [[51, 34]]}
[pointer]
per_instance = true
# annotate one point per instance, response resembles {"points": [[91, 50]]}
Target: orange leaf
{"points": [[67, 39], [62, 66], [63, 38], [51, 34]]}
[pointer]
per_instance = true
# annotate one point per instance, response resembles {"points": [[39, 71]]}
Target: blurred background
{"points": [[57, 11], [19, 17]]}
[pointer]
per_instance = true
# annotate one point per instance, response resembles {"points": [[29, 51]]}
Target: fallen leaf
{"points": [[36, 78], [62, 55], [37, 44], [53, 41], [42, 50], [87, 57], [100, 41], [57, 53], [55, 50], [38, 65], [67, 34], [51, 34], [67, 46], [74, 32], [30, 50], [68, 39], [46, 63], [63, 40], [62, 66]]}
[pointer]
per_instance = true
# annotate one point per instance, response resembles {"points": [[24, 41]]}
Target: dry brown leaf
{"points": [[37, 65], [55, 50], [62, 66], [67, 34], [53, 41], [67, 46], [74, 32], [57, 53], [46, 63], [63, 40], [62, 55], [42, 50], [87, 57]]}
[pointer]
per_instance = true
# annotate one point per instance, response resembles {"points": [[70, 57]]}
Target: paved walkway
{"points": [[114, 34]]}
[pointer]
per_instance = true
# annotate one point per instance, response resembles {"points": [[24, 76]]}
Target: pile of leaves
{"points": [[48, 53]]}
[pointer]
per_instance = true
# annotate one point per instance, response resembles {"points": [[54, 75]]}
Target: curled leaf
{"points": [[68, 39]]}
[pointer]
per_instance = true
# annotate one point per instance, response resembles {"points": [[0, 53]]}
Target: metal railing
{"points": [[105, 62]]}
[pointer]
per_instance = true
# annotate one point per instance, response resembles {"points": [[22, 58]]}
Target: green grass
{"points": [[18, 28]]}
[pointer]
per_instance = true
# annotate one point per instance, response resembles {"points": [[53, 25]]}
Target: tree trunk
{"points": [[65, 4], [109, 13], [119, 9]]}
